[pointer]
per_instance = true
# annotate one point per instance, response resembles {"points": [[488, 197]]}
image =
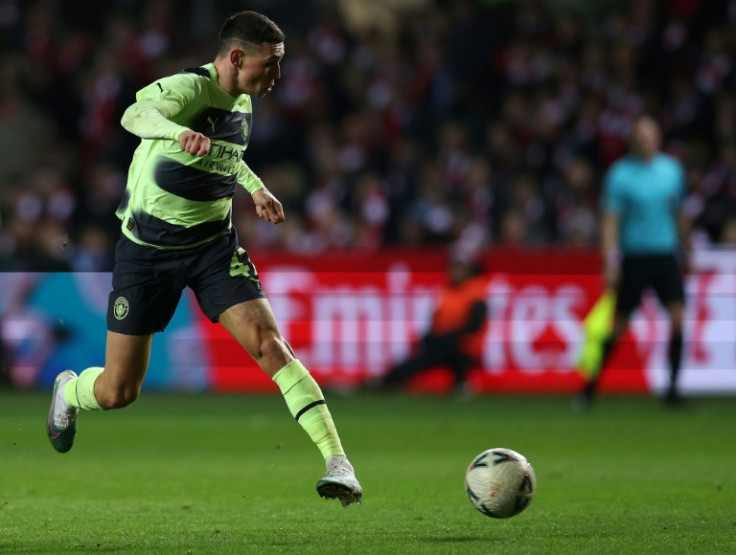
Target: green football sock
{"points": [[307, 404], [80, 392]]}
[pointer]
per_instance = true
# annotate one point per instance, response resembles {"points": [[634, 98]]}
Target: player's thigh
{"points": [[254, 312], [223, 277], [147, 285], [634, 279], [253, 325], [669, 287]]}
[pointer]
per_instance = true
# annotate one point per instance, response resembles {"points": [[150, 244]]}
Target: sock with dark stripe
{"points": [[307, 404]]}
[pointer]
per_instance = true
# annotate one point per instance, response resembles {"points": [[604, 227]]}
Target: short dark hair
{"points": [[248, 27]]}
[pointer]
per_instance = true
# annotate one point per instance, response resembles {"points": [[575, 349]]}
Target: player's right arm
{"points": [[612, 206], [610, 252], [157, 105], [684, 220], [194, 143]]}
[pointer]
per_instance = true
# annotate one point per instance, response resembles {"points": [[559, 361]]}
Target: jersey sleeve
{"points": [[613, 199], [248, 179], [153, 114]]}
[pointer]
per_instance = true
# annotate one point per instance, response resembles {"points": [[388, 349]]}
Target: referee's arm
{"points": [[610, 224], [684, 226]]}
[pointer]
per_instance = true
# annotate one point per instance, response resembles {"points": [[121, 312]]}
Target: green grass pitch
{"points": [[235, 474]]}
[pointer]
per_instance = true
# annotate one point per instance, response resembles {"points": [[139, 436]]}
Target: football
{"points": [[500, 483]]}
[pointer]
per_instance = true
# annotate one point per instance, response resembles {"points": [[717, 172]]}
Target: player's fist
{"points": [[268, 207], [194, 143]]}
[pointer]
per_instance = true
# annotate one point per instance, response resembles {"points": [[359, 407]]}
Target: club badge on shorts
{"points": [[121, 308]]}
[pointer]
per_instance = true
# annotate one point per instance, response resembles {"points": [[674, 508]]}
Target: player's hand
{"points": [[194, 143], [268, 207]]}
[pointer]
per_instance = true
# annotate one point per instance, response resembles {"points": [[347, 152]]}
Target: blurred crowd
{"points": [[395, 122]]}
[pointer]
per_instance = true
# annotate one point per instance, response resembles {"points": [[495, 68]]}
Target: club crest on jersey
{"points": [[244, 128], [121, 308]]}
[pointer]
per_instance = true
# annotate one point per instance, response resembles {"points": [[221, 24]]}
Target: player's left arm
{"points": [[268, 206], [684, 223], [613, 204]]}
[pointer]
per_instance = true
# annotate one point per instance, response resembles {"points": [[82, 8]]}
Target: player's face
{"points": [[646, 138], [459, 272], [260, 69]]}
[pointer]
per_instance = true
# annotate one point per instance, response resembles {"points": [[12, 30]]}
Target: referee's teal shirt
{"points": [[647, 196]]}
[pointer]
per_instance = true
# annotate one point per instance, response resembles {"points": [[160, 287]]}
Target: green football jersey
{"points": [[174, 199]]}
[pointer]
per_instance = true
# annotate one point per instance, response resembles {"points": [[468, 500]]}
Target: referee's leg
{"points": [[676, 312]]}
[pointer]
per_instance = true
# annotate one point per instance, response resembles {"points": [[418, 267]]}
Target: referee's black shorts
{"points": [[147, 282], [661, 272]]}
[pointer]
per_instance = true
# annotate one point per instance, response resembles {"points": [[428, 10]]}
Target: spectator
{"points": [[441, 106]]}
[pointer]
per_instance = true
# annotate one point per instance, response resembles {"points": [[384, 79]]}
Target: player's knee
{"points": [[272, 346]]}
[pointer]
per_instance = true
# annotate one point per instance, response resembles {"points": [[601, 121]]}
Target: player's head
{"points": [[645, 137], [461, 269], [251, 46], [248, 30]]}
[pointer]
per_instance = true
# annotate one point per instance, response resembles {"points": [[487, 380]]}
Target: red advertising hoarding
{"points": [[349, 317]]}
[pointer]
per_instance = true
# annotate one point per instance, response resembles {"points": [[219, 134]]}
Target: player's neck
{"points": [[645, 157], [225, 77]]}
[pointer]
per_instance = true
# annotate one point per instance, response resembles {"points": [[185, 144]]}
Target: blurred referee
{"points": [[643, 235]]}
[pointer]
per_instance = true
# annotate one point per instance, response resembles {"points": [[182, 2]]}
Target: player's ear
{"points": [[236, 57]]}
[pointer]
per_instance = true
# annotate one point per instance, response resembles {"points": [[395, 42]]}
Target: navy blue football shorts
{"points": [[147, 282], [660, 272]]}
